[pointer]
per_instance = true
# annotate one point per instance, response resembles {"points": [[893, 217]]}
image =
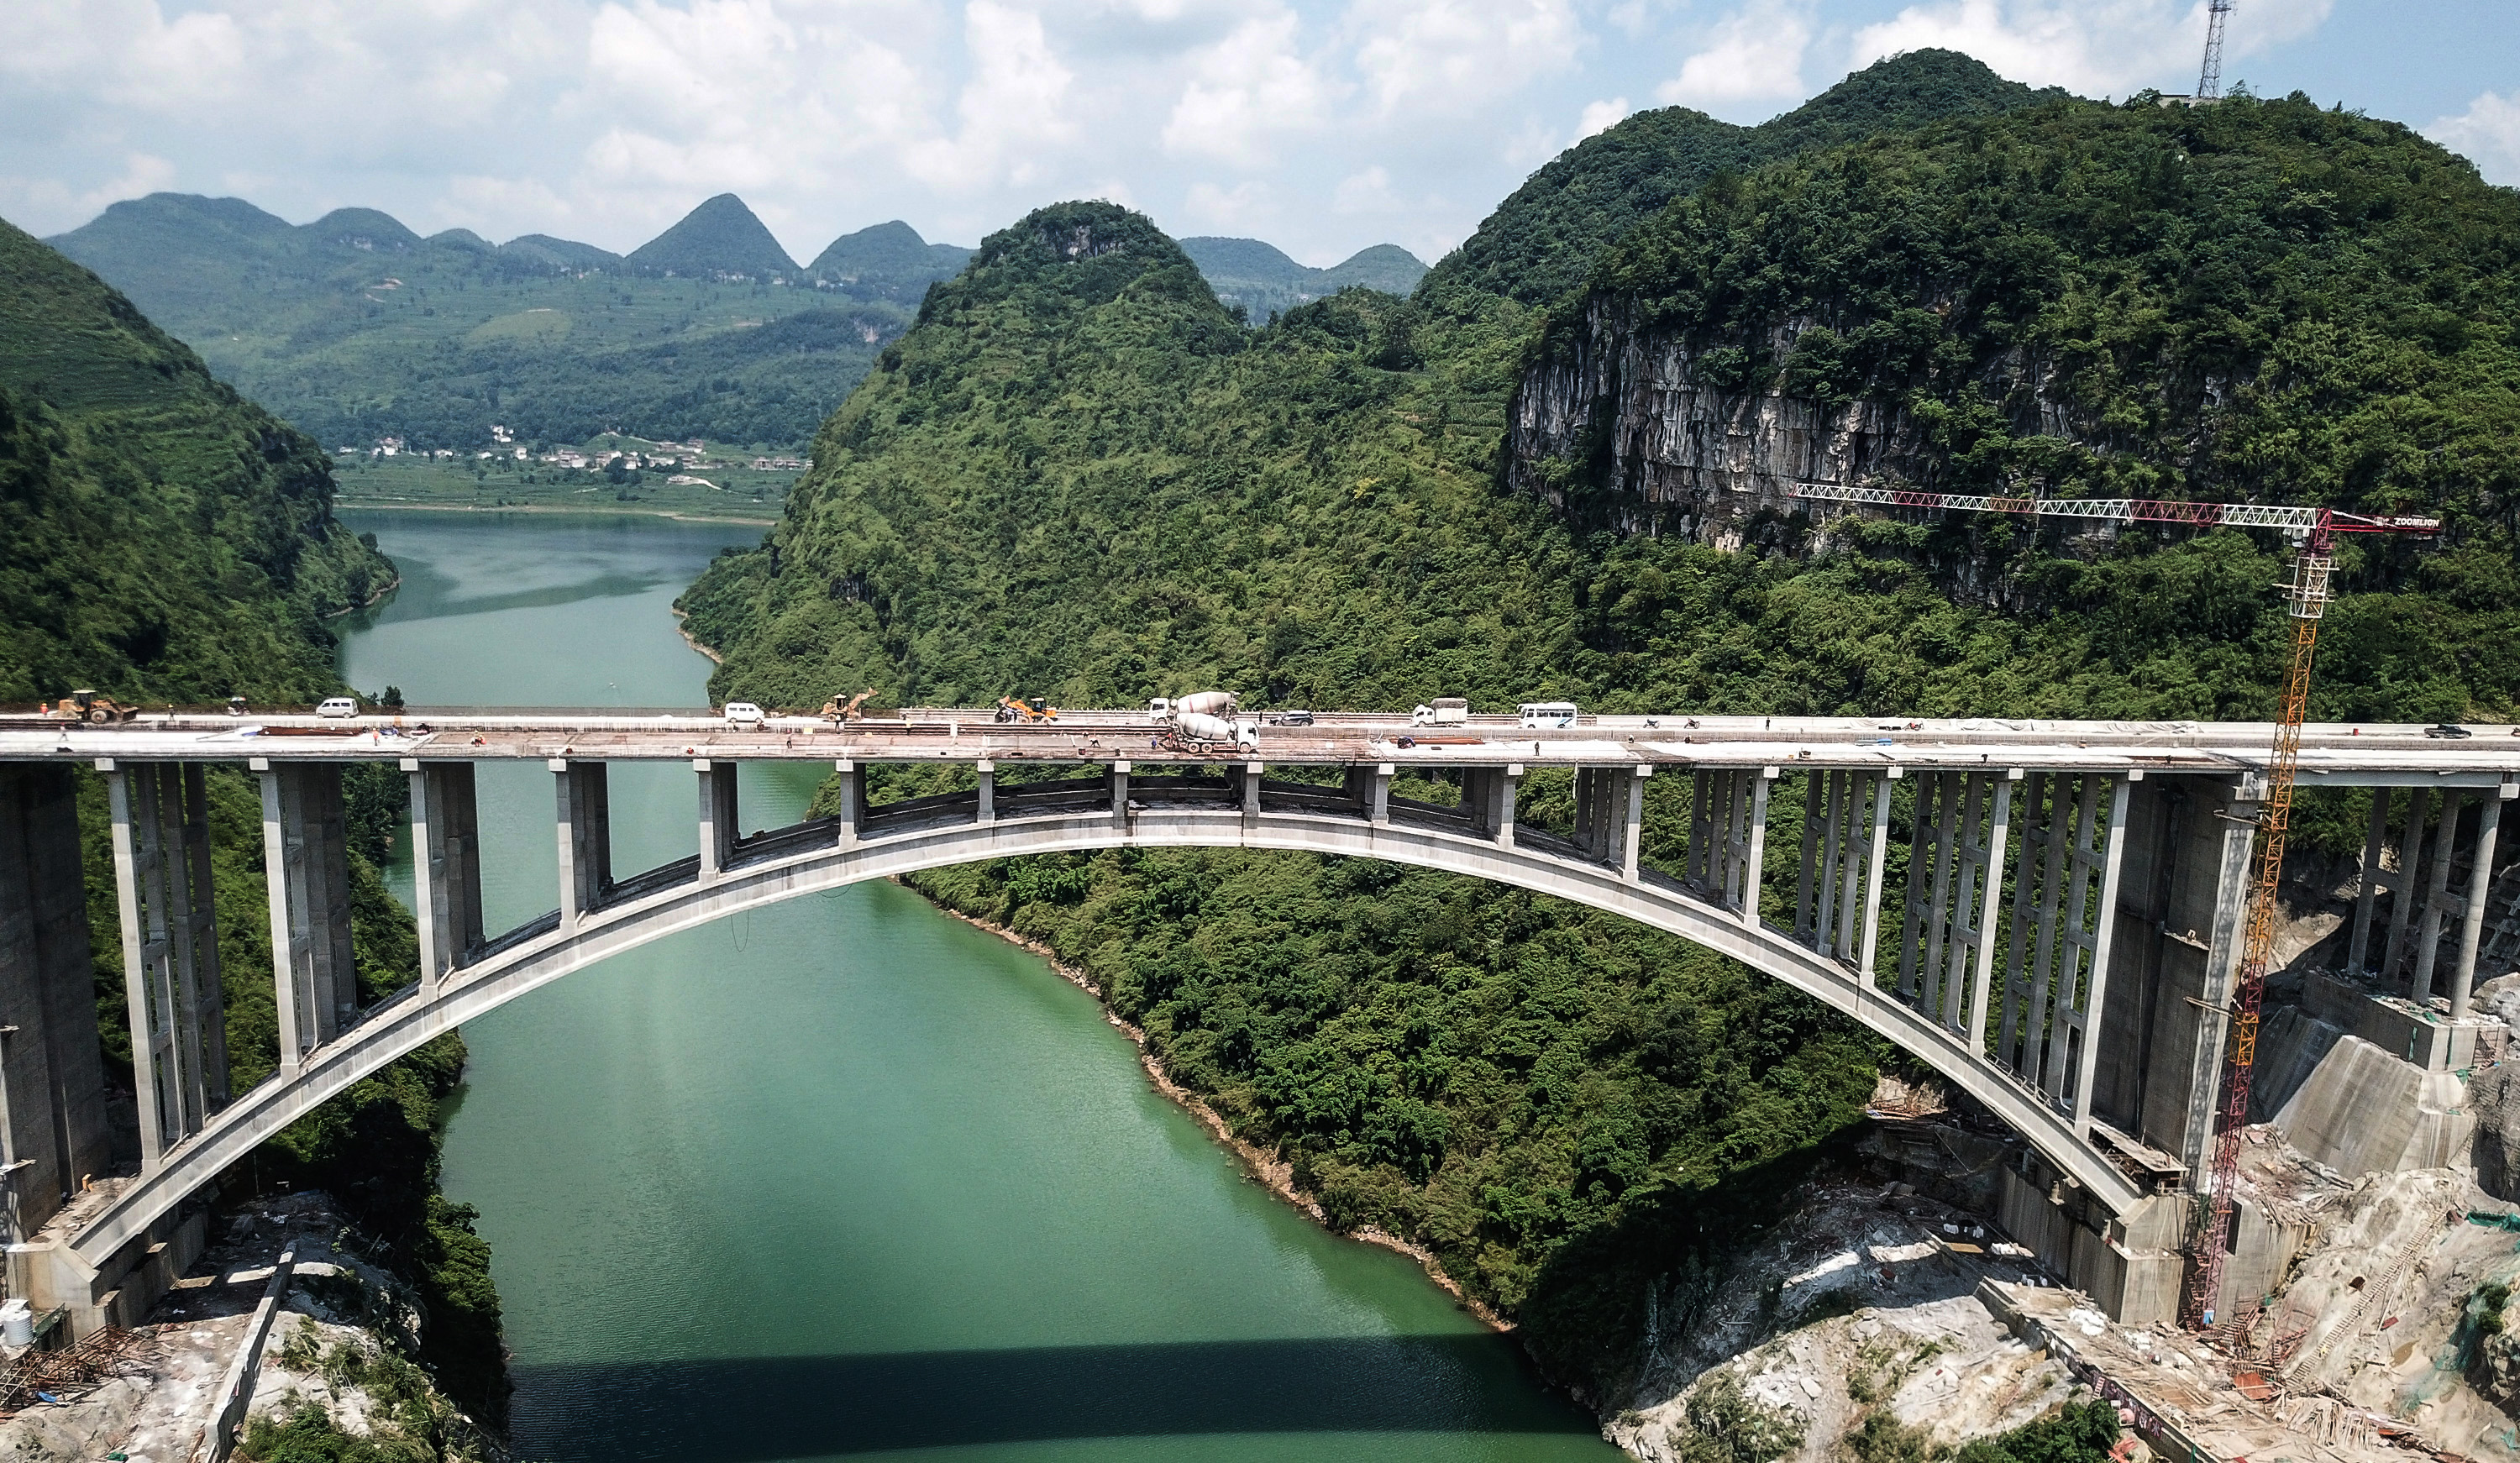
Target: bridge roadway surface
{"points": [[888, 840], [2333, 754]]}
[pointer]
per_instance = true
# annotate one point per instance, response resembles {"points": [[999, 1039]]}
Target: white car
{"points": [[337, 707], [743, 714]]}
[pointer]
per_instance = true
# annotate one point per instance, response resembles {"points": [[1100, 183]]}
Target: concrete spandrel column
{"points": [[721, 825], [328, 869], [2480, 885], [852, 818], [2403, 895], [151, 1041], [178, 925], [988, 771], [1632, 837], [2374, 843], [1378, 811], [210, 1008], [2436, 899], [1998, 836], [1755, 860], [1120, 796], [446, 876], [1507, 786], [283, 851], [2095, 1003], [1251, 794], [585, 838], [1875, 861]]}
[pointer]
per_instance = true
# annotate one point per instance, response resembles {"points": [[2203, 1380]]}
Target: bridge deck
{"points": [[2342, 753]]}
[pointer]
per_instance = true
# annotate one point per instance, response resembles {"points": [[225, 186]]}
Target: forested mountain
{"points": [[1543, 239], [887, 261], [1264, 281], [162, 539], [1076, 479], [160, 535], [353, 329], [719, 238]]}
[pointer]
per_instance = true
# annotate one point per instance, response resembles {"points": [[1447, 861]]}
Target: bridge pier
{"points": [[988, 771], [721, 825], [306, 860], [585, 812], [852, 796], [53, 1130], [446, 866], [170, 963], [1120, 797]]}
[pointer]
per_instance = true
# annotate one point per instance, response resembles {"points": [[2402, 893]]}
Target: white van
{"points": [[742, 713], [1443, 711], [337, 707], [1545, 715]]}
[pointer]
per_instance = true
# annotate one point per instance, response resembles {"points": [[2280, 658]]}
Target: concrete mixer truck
{"points": [[1203, 722]]}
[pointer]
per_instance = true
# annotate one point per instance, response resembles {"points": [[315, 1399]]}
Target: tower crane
{"points": [[2313, 532]]}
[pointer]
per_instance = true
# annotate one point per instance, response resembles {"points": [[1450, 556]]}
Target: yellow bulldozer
{"points": [[1035, 711]]}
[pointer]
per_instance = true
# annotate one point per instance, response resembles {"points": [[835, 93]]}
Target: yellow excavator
{"points": [[835, 710], [1036, 711]]}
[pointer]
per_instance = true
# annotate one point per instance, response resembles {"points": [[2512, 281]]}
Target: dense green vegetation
{"points": [[1075, 477], [1263, 282], [162, 539], [887, 261], [1543, 240]]}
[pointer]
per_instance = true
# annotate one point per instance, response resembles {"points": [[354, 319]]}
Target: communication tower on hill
{"points": [[2209, 82]]}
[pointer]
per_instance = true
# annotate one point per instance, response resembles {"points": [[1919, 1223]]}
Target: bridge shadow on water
{"points": [[755, 1409]]}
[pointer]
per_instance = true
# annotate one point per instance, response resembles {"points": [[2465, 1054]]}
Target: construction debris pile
{"points": [[65, 1376]]}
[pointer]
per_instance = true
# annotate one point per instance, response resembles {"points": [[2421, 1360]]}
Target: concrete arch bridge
{"points": [[2047, 914]]}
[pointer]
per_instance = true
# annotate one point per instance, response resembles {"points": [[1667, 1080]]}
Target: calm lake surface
{"points": [[846, 1176]]}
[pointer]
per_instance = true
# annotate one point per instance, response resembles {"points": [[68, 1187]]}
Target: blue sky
{"points": [[1321, 127]]}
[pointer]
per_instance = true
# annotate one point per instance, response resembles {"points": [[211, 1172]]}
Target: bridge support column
{"points": [[2402, 903], [2374, 879], [2096, 998], [1874, 865], [446, 866], [585, 809], [721, 825], [169, 948], [988, 791], [1120, 797], [2480, 885], [52, 1133], [2436, 897], [1632, 839], [1251, 794], [1487, 796], [852, 780], [306, 864]]}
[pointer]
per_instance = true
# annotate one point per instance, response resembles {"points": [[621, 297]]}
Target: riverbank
{"points": [[609, 509], [1272, 1171]]}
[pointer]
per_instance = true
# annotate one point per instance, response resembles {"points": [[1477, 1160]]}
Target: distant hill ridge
{"points": [[1265, 281], [722, 236]]}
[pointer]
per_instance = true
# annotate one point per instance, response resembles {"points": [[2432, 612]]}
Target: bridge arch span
{"points": [[652, 908]]}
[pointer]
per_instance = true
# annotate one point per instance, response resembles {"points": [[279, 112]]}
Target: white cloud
{"points": [[1368, 192], [1246, 89], [1755, 52], [1012, 108], [1210, 206], [1445, 58], [1601, 117], [2487, 134], [2094, 47]]}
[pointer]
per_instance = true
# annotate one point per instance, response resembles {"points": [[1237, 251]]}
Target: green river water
{"points": [[844, 1176]]}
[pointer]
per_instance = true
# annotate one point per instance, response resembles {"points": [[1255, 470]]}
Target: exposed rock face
{"points": [[1632, 412]]}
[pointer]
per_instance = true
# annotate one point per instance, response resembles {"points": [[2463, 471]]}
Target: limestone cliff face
{"points": [[1623, 422]]}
